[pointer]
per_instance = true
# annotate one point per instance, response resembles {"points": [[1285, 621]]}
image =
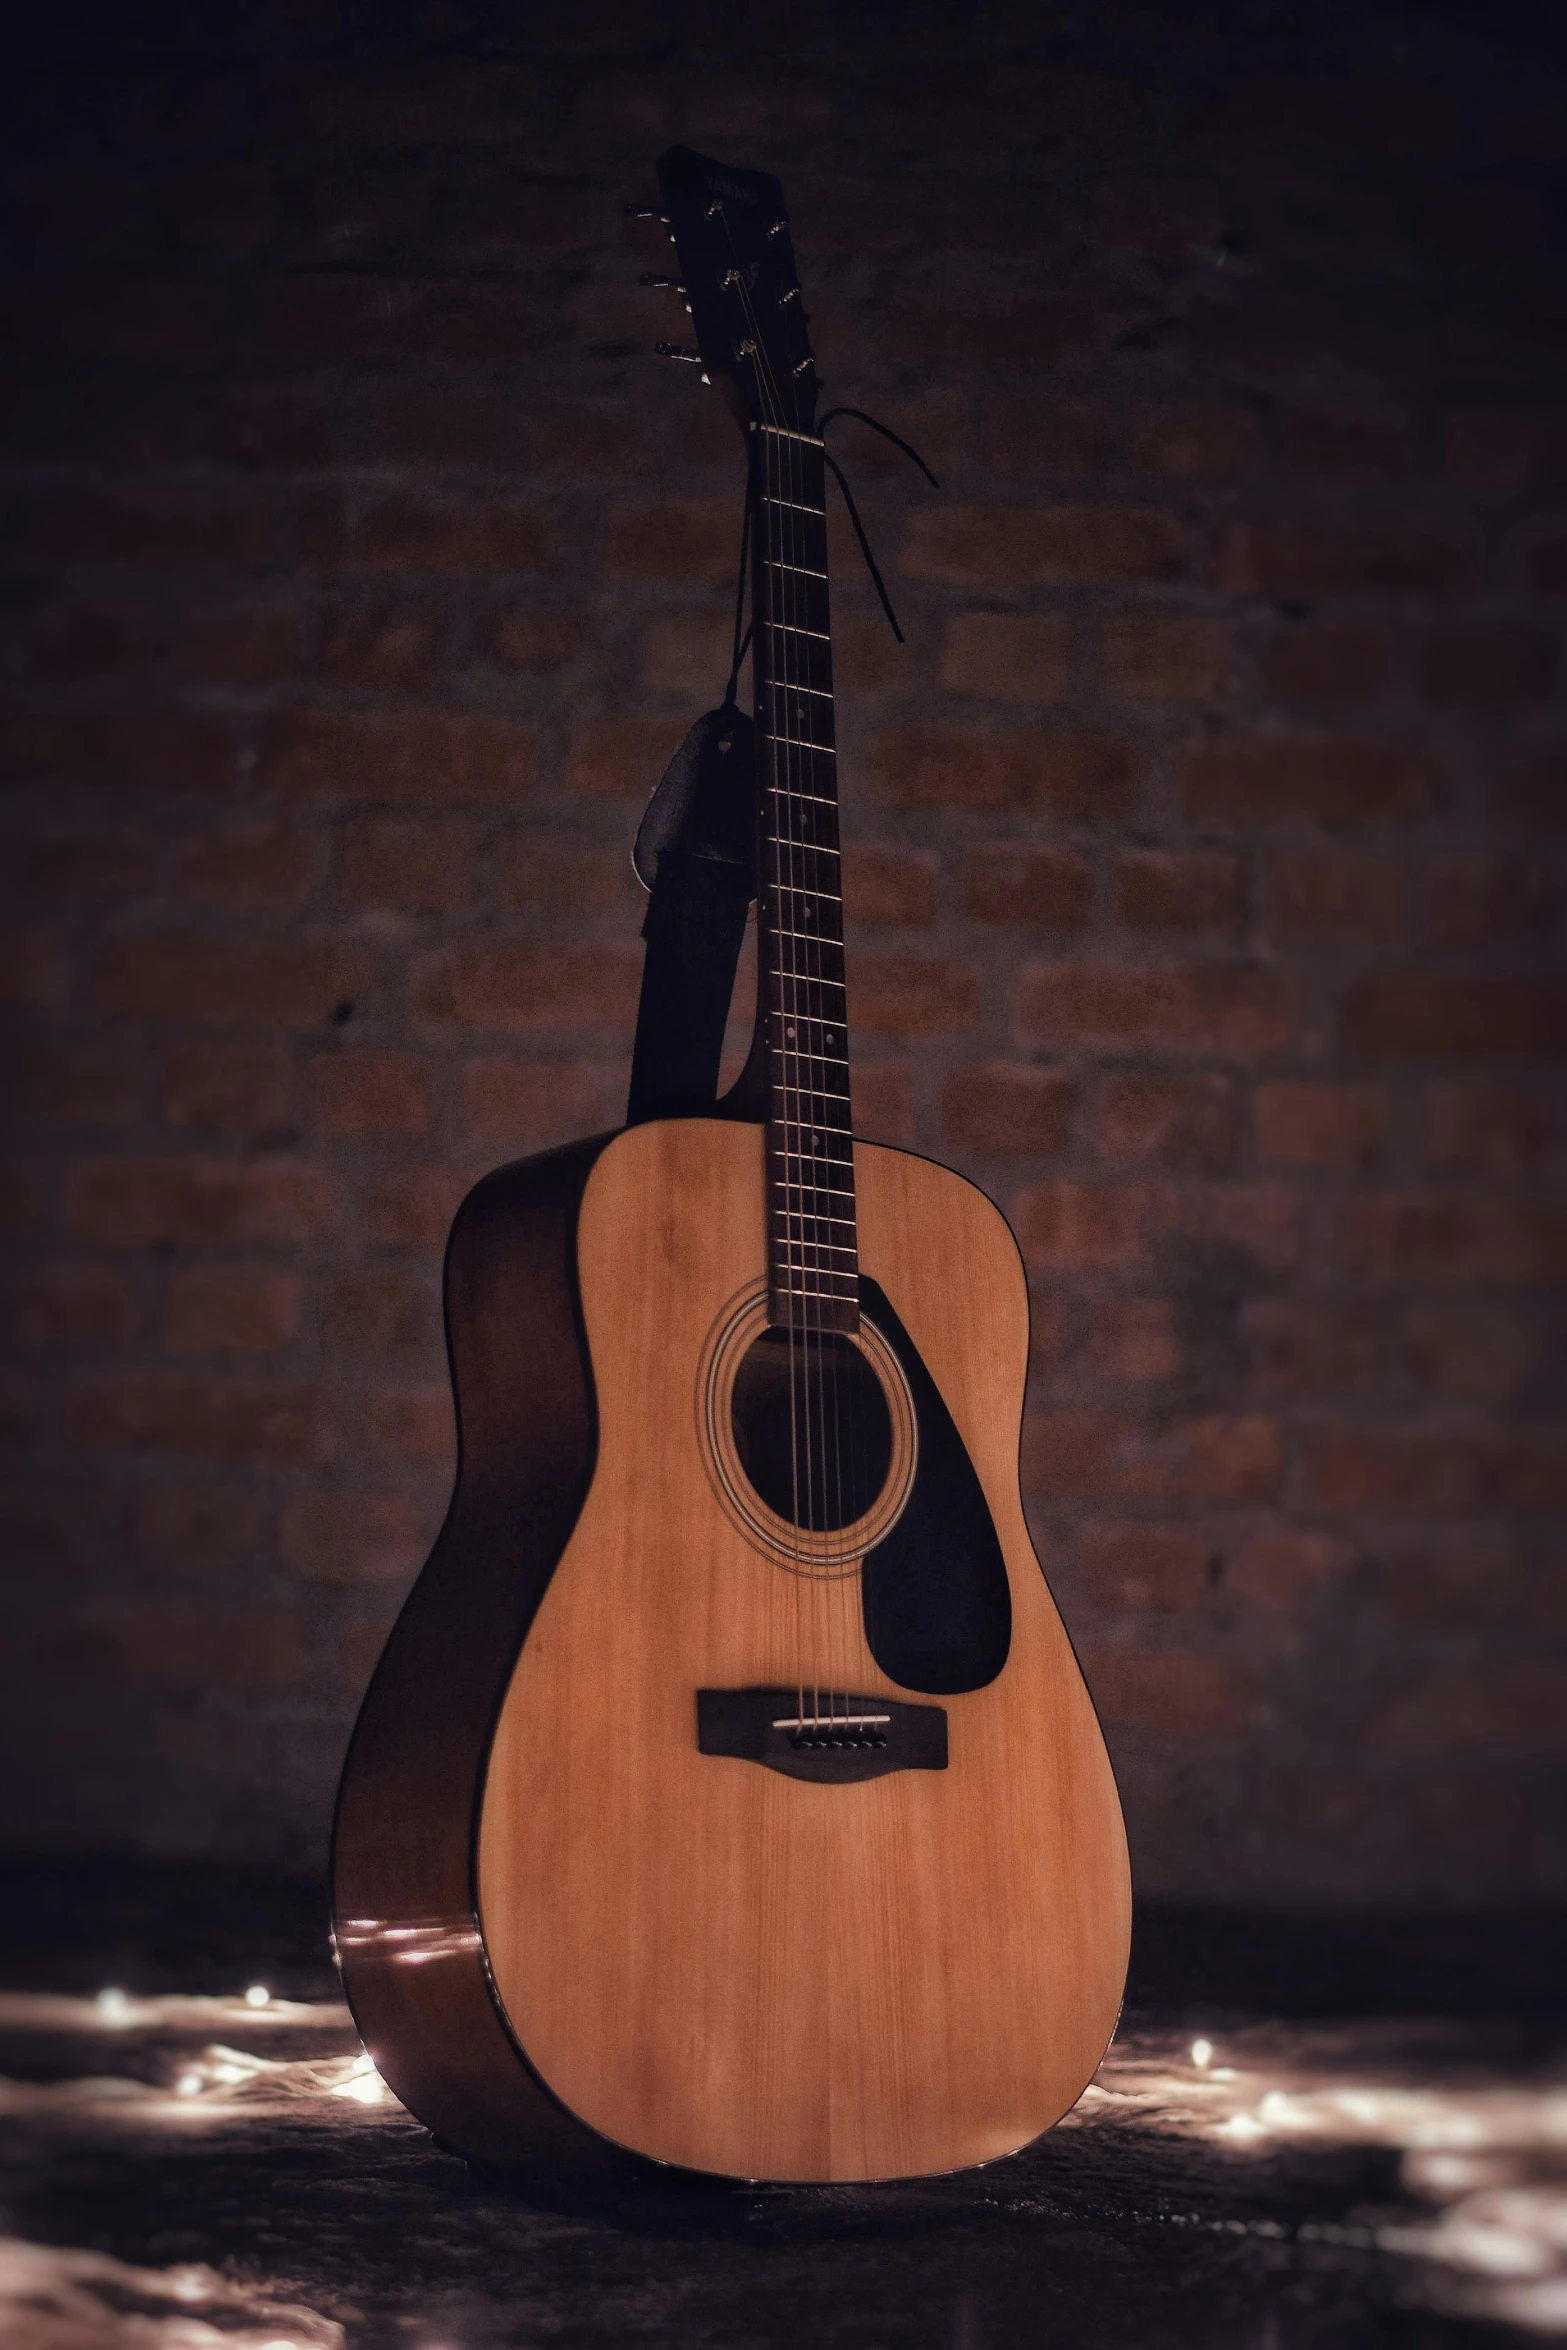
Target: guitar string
{"points": [[824, 1493], [787, 1016]]}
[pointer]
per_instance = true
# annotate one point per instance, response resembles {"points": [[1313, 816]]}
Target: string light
{"points": [[257, 1995], [1202, 2054], [113, 2006]]}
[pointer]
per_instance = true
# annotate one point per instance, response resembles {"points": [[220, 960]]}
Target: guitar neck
{"points": [[813, 1264]]}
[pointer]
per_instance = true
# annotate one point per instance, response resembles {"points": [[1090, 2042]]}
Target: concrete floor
{"points": [[1290, 2144]]}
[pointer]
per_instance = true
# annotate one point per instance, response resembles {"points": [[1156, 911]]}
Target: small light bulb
{"points": [[188, 2085], [1202, 2053], [113, 2006], [258, 1996]]}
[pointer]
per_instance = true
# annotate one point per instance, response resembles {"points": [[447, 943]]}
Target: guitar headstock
{"points": [[737, 270]]}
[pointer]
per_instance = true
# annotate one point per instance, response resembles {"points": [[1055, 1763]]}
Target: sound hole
{"points": [[814, 1435]]}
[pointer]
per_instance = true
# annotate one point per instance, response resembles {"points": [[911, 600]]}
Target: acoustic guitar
{"points": [[728, 1794]]}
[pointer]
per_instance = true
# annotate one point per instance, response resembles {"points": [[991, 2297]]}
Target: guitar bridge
{"points": [[814, 1735]]}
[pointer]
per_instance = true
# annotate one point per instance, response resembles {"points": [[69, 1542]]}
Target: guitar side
{"points": [[404, 1905]]}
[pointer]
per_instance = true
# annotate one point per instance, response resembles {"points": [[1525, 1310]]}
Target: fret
{"points": [[816, 938], [787, 685], [786, 432], [805, 570], [792, 628], [795, 1249], [822, 750], [794, 505]]}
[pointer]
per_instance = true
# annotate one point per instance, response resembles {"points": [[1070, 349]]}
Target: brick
{"points": [[83, 527], [354, 1537], [199, 1525], [1486, 1129], [1131, 1567], [1173, 1692], [246, 1648], [1088, 777], [1032, 889], [195, 1412], [1001, 332], [1177, 1119], [1485, 668], [415, 1424], [619, 758], [1240, 1008], [1156, 217], [884, 1102], [1468, 1583], [1010, 546], [1194, 440], [1007, 1109], [152, 1203], [388, 647], [33, 976], [1477, 1703], [71, 1305], [429, 757], [1293, 559], [76, 643], [1287, 1568], [354, 1096], [1308, 1346], [18, 1198], [1468, 1353], [398, 535], [1502, 446], [591, 884], [1535, 795], [155, 751], [405, 864], [255, 646], [413, 1207], [913, 995], [1034, 435], [295, 983], [1096, 1456], [1325, 664], [1161, 657], [1179, 889], [520, 639], [1072, 1224], [219, 1309], [1267, 781], [1333, 897], [1131, 1340], [897, 887], [381, 1313], [359, 321], [1008, 656], [253, 865], [1451, 1236], [1412, 1015], [1434, 1470], [85, 1084], [1476, 899], [1320, 1124], [521, 986], [681, 539], [1377, 447], [1547, 567], [99, 864], [228, 1088]]}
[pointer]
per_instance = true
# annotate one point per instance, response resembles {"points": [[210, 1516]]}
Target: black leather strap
{"points": [[696, 853]]}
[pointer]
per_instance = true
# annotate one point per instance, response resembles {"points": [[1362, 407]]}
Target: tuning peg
{"points": [[645, 212], [669, 285], [678, 351]]}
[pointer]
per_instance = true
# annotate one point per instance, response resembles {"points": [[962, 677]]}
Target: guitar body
{"points": [[572, 1929]]}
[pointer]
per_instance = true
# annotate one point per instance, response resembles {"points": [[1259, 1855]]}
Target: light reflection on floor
{"points": [[1478, 2231]]}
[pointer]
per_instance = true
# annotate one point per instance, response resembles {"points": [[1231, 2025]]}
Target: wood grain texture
{"points": [[710, 1963]]}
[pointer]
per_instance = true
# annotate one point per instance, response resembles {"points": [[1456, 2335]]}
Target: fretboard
{"points": [[813, 1263]]}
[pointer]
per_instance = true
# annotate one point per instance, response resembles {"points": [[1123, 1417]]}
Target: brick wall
{"points": [[1205, 878]]}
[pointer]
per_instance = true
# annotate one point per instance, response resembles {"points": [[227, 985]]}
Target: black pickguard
{"points": [[938, 1611]]}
